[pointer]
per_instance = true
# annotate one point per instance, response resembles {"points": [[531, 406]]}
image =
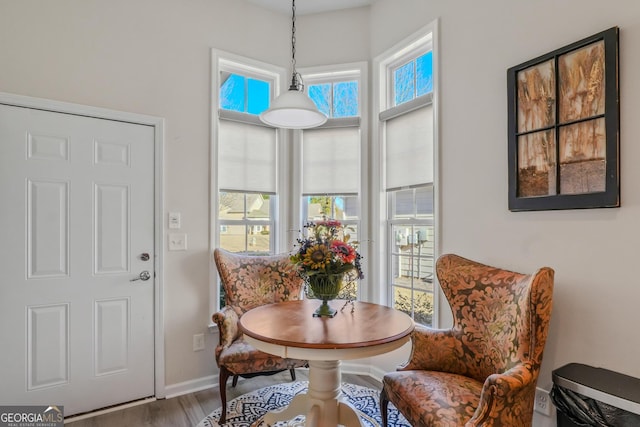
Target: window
{"points": [[413, 79], [332, 153], [336, 99], [343, 208], [244, 94], [411, 251], [245, 222], [346, 210], [245, 160], [406, 115]]}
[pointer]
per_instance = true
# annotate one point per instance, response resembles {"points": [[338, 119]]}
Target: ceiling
{"points": [[305, 7]]}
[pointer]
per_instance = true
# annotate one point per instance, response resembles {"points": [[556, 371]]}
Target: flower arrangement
{"points": [[326, 256]]}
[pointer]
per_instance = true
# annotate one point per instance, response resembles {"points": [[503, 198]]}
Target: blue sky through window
{"points": [[248, 95], [258, 96], [424, 68], [320, 95], [338, 99], [244, 94], [345, 99], [413, 79]]}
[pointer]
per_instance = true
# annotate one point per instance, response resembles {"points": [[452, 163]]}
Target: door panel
{"points": [[111, 336], [111, 229], [47, 334], [77, 211], [47, 229]]}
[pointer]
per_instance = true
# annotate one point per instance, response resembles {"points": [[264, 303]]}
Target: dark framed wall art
{"points": [[564, 126]]}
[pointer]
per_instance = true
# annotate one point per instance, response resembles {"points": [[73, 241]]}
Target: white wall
{"points": [[153, 57]]}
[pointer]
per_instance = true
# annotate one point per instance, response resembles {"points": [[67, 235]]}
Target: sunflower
{"points": [[317, 257]]}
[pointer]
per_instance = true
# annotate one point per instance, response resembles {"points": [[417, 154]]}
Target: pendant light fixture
{"points": [[293, 109]]}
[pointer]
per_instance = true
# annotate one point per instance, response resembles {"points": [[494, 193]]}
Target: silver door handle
{"points": [[144, 276]]}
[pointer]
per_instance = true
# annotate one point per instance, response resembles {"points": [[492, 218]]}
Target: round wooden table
{"points": [[288, 329]]}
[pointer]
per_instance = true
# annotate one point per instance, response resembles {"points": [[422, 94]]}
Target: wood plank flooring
{"points": [[189, 409]]}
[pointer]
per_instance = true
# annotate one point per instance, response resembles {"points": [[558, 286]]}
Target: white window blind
{"points": [[409, 149], [331, 161], [246, 158]]}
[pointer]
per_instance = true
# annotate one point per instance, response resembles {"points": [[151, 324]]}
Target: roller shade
{"points": [[409, 149], [331, 161], [246, 158]]}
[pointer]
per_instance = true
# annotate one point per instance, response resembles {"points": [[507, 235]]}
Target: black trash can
{"points": [[589, 396]]}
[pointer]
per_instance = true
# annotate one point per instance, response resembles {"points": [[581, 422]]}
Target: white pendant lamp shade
{"points": [[293, 110]]}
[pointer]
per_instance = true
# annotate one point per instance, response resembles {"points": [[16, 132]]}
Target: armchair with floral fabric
{"points": [[249, 282], [482, 371]]}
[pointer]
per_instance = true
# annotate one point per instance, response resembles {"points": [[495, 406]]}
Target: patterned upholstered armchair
{"points": [[248, 282], [483, 371]]}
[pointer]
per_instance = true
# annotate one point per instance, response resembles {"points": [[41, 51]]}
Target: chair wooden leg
{"points": [[384, 403], [224, 376], [293, 374], [235, 381]]}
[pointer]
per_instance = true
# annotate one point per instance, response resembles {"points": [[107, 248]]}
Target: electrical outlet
{"points": [[177, 242], [198, 342], [542, 403]]}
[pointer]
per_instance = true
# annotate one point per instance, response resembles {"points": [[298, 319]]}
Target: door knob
{"points": [[144, 276]]}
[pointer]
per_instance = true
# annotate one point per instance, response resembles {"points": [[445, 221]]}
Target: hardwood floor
{"points": [[189, 409]]}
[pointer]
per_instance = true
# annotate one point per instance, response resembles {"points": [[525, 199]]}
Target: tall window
{"points": [[331, 154], [246, 161], [245, 158], [407, 153]]}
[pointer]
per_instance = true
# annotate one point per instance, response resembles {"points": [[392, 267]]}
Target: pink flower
{"points": [[329, 223], [345, 252]]}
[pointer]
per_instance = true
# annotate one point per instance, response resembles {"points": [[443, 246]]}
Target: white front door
{"points": [[77, 225]]}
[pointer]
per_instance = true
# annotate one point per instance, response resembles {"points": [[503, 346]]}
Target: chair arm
{"points": [[227, 321], [506, 397], [432, 349]]}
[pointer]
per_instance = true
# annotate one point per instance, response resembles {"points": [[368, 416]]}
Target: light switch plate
{"points": [[174, 220], [177, 242]]}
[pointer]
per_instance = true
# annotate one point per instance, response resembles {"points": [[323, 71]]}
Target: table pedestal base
{"points": [[321, 405]]}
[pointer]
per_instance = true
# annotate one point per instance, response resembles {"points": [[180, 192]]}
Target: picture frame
{"points": [[564, 126]]}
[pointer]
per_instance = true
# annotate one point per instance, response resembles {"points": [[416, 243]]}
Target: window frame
{"points": [[384, 109], [222, 61], [402, 59], [413, 221], [357, 71], [335, 74], [245, 221], [332, 82]]}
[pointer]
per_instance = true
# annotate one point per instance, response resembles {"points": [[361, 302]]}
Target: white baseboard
{"points": [[198, 384], [191, 386], [377, 373], [362, 369]]}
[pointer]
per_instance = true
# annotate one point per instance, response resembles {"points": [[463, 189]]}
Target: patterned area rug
{"points": [[248, 409]]}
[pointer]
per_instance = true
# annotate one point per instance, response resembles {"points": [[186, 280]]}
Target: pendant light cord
{"points": [[293, 109], [296, 79]]}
